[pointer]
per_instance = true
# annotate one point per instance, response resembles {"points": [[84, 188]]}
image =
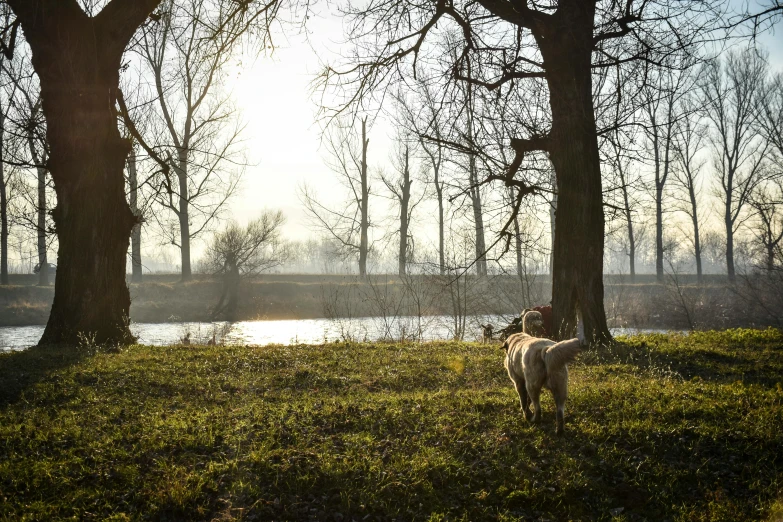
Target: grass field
{"points": [[659, 427]]}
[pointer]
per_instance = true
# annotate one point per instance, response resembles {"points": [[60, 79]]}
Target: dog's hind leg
{"points": [[535, 397], [560, 393], [524, 400]]}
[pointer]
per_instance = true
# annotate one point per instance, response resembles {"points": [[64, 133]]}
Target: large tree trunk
{"points": [[77, 59], [136, 275], [365, 220], [573, 147]]}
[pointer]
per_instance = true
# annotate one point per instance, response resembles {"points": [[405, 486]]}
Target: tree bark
{"points": [[566, 46], [77, 59], [365, 220], [136, 268]]}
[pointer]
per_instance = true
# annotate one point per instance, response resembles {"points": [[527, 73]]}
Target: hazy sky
{"points": [[282, 136]]}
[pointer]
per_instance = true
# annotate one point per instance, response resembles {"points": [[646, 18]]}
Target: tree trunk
{"points": [[184, 214], [566, 47], [478, 218], [405, 197], [658, 232], [729, 242], [441, 226], [92, 217], [43, 262], [770, 257], [696, 238], [365, 221], [518, 248], [552, 219], [232, 290], [136, 269], [658, 202], [3, 208]]}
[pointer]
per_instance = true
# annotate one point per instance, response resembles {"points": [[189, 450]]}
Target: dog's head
{"points": [[533, 324]]}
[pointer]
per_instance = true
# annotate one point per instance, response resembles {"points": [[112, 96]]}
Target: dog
{"points": [[533, 324], [534, 363], [486, 333]]}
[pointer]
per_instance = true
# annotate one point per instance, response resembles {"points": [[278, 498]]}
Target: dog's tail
{"points": [[560, 354]]}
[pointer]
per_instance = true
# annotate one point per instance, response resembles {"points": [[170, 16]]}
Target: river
{"points": [[301, 331]]}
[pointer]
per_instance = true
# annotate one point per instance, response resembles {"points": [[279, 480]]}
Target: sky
{"points": [[283, 135]]}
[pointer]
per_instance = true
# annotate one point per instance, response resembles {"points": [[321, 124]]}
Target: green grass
{"points": [[660, 427]]}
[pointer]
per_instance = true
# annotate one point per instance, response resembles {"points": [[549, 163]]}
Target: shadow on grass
{"points": [[23, 369], [530, 476], [762, 364]]}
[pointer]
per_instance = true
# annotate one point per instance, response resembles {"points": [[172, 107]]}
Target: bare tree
{"points": [[348, 225], [661, 101], [185, 53], [238, 251], [626, 183], [732, 92], [423, 117], [689, 136], [770, 120], [400, 188], [3, 195], [767, 203]]}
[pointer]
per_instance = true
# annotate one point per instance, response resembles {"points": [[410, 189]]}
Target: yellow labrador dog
{"points": [[534, 363]]}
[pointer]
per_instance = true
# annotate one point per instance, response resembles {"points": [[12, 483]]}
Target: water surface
{"points": [[297, 331]]}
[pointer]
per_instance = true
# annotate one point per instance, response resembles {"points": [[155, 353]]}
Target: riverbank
{"points": [[659, 427], [643, 304]]}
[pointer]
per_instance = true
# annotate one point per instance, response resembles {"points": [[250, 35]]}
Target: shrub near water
{"points": [[659, 427]]}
